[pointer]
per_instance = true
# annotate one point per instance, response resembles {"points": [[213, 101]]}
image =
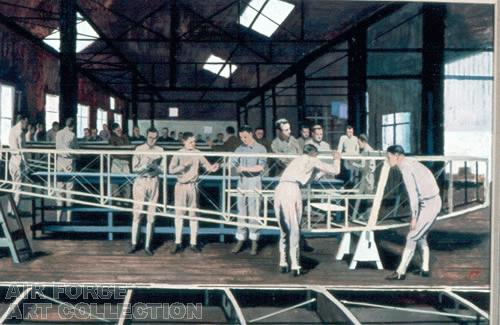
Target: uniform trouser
{"points": [[120, 166], [65, 165], [16, 167], [186, 195], [145, 189], [248, 205], [288, 209], [429, 209]]}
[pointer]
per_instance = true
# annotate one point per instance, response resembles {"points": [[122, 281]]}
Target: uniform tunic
{"points": [[302, 142], [290, 146], [17, 162], [186, 168], [146, 187], [248, 202], [65, 140], [322, 146], [288, 202], [367, 172], [51, 135], [425, 204], [120, 164]]}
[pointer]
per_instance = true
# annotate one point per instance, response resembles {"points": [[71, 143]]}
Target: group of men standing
{"points": [[148, 163]]}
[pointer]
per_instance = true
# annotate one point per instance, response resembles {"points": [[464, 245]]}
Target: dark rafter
{"points": [[317, 53], [228, 34], [131, 66], [174, 25], [12, 25]]}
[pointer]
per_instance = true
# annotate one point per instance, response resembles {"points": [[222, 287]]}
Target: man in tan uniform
{"points": [[316, 139], [425, 204], [366, 169], [120, 164], [186, 169], [288, 202], [284, 143], [65, 140], [17, 162], [146, 186]]}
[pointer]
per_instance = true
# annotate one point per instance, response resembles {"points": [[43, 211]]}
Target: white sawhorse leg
{"points": [[345, 247], [366, 251]]}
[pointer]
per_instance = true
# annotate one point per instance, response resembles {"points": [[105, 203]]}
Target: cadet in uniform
{"points": [[120, 164], [51, 134], [17, 162], [250, 171], [366, 169], [425, 204], [349, 146], [316, 139], [65, 140], [305, 134], [288, 202], [146, 186], [186, 169], [284, 143]]}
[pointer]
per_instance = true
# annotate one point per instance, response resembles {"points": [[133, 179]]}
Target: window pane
{"points": [[5, 127], [403, 117], [387, 136], [388, 119], [7, 101], [403, 133], [112, 103]]}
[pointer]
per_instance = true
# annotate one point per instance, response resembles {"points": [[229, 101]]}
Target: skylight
{"points": [[269, 15], [214, 64], [85, 35]]}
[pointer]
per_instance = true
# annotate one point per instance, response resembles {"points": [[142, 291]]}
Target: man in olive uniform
{"points": [[250, 171]]}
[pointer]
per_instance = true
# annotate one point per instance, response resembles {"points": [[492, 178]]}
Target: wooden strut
{"points": [[265, 221]]}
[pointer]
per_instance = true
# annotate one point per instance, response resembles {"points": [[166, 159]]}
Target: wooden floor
{"points": [[459, 257]]}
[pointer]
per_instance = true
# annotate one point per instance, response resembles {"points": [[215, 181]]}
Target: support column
{"points": [[238, 115], [133, 102], [356, 82], [174, 24], [263, 111], [432, 118], [68, 78], [301, 96]]}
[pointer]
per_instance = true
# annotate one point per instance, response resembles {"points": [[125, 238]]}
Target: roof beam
{"points": [[225, 32], [133, 68], [317, 53], [13, 26], [174, 25]]}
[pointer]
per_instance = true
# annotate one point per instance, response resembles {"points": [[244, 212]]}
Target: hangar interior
{"points": [[415, 74]]}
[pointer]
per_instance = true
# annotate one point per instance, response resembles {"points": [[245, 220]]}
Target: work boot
{"points": [[284, 269], [238, 247], [132, 249], [195, 248], [255, 248], [148, 251], [395, 276], [175, 249]]}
